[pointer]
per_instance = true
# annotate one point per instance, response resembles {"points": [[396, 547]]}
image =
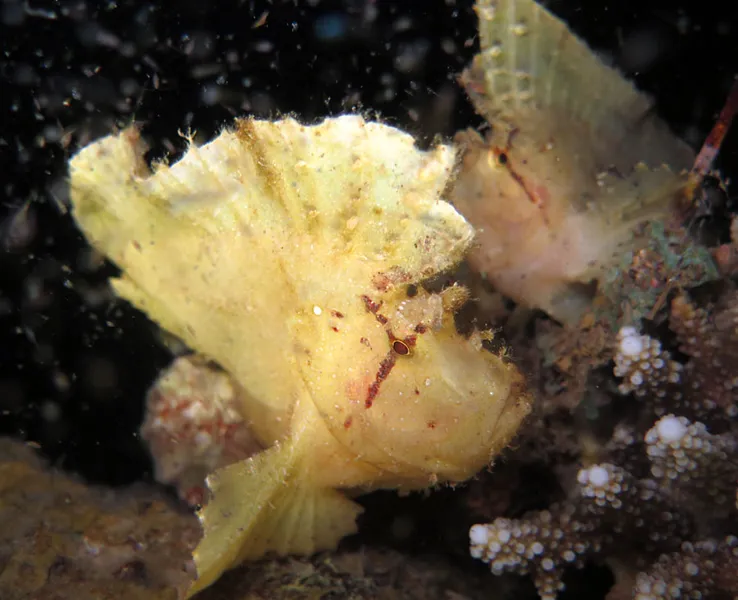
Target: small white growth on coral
{"points": [[670, 429], [631, 343], [692, 569], [687, 454], [604, 484], [478, 535], [642, 364], [597, 476], [529, 546]]}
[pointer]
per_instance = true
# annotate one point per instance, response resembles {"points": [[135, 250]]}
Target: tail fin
{"points": [[268, 503]]}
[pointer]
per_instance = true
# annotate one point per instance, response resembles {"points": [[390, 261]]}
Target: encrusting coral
{"points": [[285, 253], [62, 539], [193, 426]]}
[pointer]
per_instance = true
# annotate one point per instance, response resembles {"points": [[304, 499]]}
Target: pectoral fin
{"points": [[268, 503]]}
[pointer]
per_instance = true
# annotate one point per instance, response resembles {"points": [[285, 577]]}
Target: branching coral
{"points": [[666, 482], [706, 387], [611, 504], [690, 464], [614, 514], [694, 571]]}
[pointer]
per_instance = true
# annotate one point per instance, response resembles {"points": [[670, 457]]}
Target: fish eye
{"points": [[400, 348], [502, 158]]}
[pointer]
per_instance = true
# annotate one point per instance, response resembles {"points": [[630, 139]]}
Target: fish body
{"points": [[284, 253], [574, 159]]}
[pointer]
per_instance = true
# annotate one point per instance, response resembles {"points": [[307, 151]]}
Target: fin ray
{"points": [[260, 506]]}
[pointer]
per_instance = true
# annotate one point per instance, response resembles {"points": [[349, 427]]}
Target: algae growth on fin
{"points": [[283, 253], [574, 161]]}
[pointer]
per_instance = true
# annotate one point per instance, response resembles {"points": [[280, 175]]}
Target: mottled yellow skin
{"points": [[284, 252], [574, 160]]}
